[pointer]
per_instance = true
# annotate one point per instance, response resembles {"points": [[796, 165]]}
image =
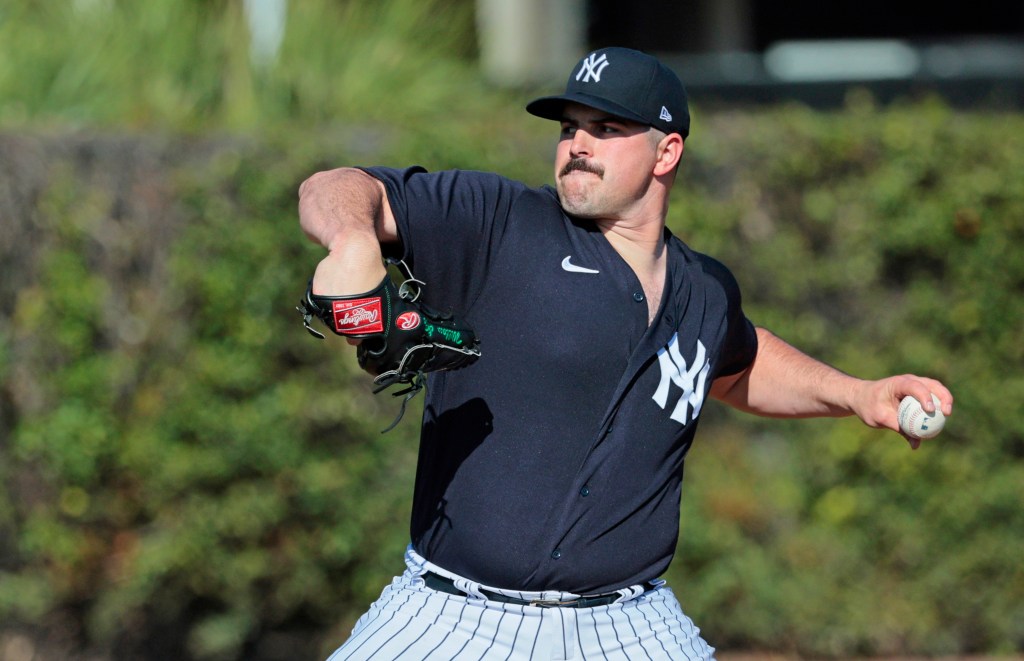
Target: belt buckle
{"points": [[552, 603]]}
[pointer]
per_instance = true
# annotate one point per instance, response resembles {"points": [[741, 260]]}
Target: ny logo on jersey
{"points": [[592, 68], [691, 380]]}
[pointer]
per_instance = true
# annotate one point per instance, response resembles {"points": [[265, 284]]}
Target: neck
{"points": [[643, 249], [640, 248], [640, 239]]}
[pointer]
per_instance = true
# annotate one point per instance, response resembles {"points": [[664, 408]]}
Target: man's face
{"points": [[603, 164]]}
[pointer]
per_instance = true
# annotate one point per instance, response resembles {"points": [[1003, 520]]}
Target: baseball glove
{"points": [[402, 339]]}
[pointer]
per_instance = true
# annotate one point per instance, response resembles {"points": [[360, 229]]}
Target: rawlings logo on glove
{"points": [[357, 316], [402, 340]]}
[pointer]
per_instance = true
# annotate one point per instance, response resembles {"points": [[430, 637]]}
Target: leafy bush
{"points": [[883, 241], [185, 469]]}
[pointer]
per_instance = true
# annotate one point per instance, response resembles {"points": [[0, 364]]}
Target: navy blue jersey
{"points": [[556, 460]]}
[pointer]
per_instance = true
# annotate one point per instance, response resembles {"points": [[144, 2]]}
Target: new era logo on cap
{"points": [[626, 83]]}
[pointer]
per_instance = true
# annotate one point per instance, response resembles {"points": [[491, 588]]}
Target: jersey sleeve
{"points": [[740, 345], [450, 223]]}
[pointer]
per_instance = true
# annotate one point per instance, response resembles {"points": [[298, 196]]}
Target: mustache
{"points": [[582, 165]]}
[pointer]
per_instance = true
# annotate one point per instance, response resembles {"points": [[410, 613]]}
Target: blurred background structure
{"points": [[751, 50], [185, 474], [764, 51]]}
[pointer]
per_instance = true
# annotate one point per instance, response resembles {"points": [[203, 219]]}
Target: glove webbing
{"points": [[417, 383]]}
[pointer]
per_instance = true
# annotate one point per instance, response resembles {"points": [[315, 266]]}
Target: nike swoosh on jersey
{"points": [[572, 268]]}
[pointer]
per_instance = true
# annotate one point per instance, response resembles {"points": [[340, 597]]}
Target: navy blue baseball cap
{"points": [[627, 84]]}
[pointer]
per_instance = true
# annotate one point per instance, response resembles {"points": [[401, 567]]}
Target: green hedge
{"points": [[884, 241], [187, 473]]}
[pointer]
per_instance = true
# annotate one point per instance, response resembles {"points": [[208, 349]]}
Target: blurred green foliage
{"points": [[884, 241], [187, 474], [186, 63]]}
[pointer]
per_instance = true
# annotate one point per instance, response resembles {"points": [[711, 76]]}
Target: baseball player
{"points": [[570, 342]]}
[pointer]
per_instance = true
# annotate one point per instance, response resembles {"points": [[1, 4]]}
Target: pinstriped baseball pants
{"points": [[411, 622]]}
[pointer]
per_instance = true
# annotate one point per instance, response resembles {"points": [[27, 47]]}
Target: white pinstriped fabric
{"points": [[412, 622]]}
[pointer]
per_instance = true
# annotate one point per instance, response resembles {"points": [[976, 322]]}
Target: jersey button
{"points": [[556, 554], [585, 491], [638, 296]]}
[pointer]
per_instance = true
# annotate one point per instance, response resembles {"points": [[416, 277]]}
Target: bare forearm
{"points": [[784, 382]]}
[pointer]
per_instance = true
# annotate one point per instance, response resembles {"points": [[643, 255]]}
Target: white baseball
{"points": [[915, 421]]}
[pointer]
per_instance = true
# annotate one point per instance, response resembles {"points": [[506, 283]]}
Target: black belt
{"points": [[447, 585]]}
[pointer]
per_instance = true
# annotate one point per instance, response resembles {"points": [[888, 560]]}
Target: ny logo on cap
{"points": [[592, 68]]}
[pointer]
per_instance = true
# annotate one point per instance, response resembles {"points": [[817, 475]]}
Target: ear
{"points": [[670, 151]]}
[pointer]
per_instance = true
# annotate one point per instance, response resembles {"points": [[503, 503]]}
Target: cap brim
{"points": [[552, 107]]}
